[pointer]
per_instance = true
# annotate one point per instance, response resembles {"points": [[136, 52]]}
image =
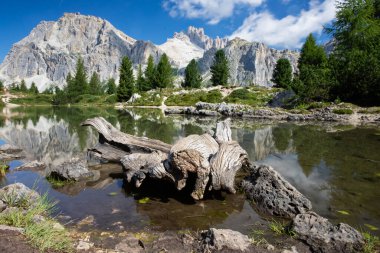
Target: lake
{"points": [[336, 166]]}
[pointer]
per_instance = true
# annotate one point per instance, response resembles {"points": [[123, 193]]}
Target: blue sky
{"points": [[279, 23]]}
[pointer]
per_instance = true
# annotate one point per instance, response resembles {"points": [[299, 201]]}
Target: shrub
{"points": [[343, 111]]}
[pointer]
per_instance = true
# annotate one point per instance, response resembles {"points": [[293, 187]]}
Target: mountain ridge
{"points": [[51, 50]]}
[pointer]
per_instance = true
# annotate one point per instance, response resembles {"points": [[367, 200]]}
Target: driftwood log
{"points": [[213, 160]]}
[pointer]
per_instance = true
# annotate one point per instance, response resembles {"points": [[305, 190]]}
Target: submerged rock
{"points": [[75, 169], [273, 194], [225, 239], [33, 166], [18, 195], [322, 236]]}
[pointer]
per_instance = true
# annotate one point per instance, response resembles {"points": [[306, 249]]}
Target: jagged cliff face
{"points": [[249, 62], [51, 50]]}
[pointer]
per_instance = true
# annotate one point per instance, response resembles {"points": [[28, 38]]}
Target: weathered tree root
{"points": [[213, 160]]}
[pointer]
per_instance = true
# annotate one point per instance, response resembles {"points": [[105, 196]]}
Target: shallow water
{"points": [[336, 167]]}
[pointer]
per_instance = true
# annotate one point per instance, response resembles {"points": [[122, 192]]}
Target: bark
{"points": [[126, 142], [213, 161]]}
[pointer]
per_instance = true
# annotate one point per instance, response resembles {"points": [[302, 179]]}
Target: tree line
{"points": [[351, 72]]}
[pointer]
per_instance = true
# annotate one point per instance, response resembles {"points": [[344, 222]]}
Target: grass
{"points": [[57, 182], [372, 243], [253, 96], [43, 235], [191, 98], [370, 110], [3, 169], [343, 111], [33, 99], [280, 228], [257, 236]]}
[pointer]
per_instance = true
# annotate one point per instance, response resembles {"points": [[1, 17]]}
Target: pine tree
{"points": [[141, 84], [111, 86], [313, 82], [355, 59], [95, 86], [33, 88], [1, 86], [282, 74], [23, 87], [164, 74], [77, 85], [220, 69], [150, 73], [126, 82], [192, 77]]}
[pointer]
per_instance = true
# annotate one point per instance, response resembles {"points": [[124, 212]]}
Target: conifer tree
{"points": [[95, 86], [141, 84], [1, 86], [314, 79], [220, 69], [164, 74], [33, 88], [23, 87], [150, 73], [282, 74], [111, 86], [77, 85], [127, 81], [193, 78]]}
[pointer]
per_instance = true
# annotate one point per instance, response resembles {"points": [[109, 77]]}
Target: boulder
{"points": [[75, 169], [9, 149], [273, 194], [33, 166], [322, 236], [225, 239], [18, 195]]}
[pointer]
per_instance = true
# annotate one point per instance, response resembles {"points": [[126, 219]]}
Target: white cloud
{"points": [[289, 31], [211, 10]]}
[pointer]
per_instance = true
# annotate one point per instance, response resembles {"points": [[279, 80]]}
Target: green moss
{"points": [[343, 111], [57, 182], [191, 98], [370, 110]]}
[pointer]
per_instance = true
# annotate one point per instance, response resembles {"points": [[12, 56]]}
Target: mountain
{"points": [[51, 50], [192, 44]]}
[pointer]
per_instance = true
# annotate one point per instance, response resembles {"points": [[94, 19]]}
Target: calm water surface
{"points": [[336, 167]]}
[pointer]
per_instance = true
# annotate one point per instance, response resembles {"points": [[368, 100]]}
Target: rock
{"points": [[220, 239], [2, 206], [82, 245], [18, 194], [322, 236], [134, 98], [129, 244], [273, 194], [293, 249], [75, 169], [9, 228], [33, 166], [58, 226], [281, 98], [9, 149], [270, 247], [38, 218]]}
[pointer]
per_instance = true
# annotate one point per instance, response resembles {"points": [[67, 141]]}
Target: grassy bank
{"points": [[42, 231]]}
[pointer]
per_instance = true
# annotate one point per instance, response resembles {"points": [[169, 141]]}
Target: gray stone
{"points": [[33, 166], [225, 239], [76, 169], [9, 228], [82, 245], [282, 98], [18, 194], [322, 236], [129, 244], [273, 194], [2, 206], [9, 149], [38, 218]]}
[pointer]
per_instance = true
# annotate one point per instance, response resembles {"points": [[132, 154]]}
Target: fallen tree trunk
{"points": [[212, 160]]}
